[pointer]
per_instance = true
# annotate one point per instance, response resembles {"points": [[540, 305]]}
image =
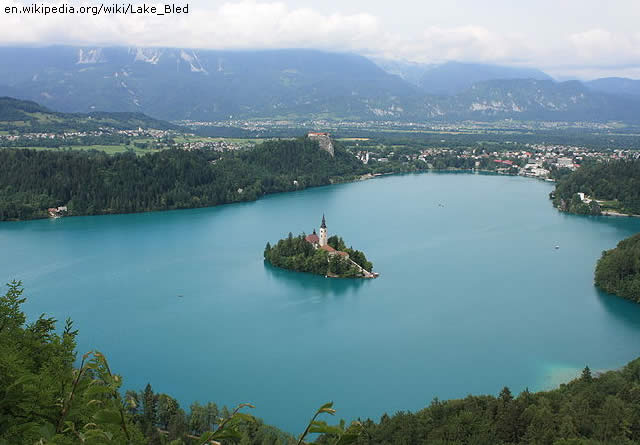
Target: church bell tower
{"points": [[323, 233]]}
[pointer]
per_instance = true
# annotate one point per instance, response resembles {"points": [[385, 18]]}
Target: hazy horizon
{"points": [[570, 39]]}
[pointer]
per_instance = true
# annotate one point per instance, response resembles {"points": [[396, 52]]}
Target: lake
{"points": [[472, 296]]}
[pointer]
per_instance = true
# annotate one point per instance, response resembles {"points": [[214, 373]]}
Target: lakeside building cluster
{"points": [[96, 133], [536, 160], [262, 125], [215, 145], [143, 138]]}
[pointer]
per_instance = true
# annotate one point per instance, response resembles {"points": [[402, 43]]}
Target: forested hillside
{"points": [[20, 116], [95, 183], [618, 270], [617, 183]]}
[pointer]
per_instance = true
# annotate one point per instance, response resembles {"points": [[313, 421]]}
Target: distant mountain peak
{"points": [[148, 55], [192, 59], [89, 56]]}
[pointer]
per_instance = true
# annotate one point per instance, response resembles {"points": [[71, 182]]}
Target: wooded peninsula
{"points": [[600, 187], [95, 183], [618, 270]]}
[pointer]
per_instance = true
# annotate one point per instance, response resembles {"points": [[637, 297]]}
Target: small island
{"points": [[319, 254]]}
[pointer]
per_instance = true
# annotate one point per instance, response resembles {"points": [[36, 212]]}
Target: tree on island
{"points": [[356, 256]]}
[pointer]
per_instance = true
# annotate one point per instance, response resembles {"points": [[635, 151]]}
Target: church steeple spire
{"points": [[323, 233]]}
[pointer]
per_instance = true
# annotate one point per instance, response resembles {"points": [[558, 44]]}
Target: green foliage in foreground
{"points": [[603, 410], [45, 399], [42, 396], [94, 183], [614, 181], [618, 270], [295, 253]]}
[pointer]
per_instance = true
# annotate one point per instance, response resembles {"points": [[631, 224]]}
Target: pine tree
{"points": [[586, 375], [149, 409]]}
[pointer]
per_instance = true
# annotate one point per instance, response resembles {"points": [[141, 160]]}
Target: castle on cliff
{"points": [[324, 140]]}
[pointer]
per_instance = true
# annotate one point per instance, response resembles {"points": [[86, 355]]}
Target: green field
{"points": [[240, 141], [121, 148], [110, 149]]}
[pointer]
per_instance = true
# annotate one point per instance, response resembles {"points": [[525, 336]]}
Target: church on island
{"points": [[320, 242], [313, 253]]}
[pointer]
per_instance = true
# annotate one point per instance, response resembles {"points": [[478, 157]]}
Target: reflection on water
{"points": [[311, 283], [623, 310]]}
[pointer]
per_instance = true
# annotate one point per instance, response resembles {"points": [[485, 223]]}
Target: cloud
{"points": [[238, 25], [463, 43], [605, 47], [253, 24]]}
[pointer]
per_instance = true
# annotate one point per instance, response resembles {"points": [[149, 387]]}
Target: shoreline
{"points": [[611, 213], [332, 182], [354, 179], [328, 275], [605, 213]]}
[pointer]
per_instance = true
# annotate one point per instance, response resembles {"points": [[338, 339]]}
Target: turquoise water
{"points": [[472, 296]]}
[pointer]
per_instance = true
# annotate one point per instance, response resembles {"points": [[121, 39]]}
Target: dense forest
{"points": [[616, 184], [48, 396], [618, 270], [94, 183], [295, 253]]}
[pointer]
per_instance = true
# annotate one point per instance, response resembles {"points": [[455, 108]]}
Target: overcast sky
{"points": [[566, 38]]}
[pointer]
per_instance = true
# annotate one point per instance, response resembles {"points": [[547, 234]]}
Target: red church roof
{"points": [[313, 238]]}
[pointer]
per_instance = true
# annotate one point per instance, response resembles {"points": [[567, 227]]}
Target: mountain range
{"points": [[206, 85], [452, 78]]}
